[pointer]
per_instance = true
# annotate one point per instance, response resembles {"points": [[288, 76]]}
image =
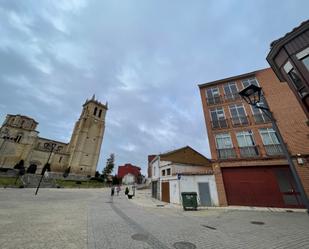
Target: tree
{"points": [[115, 180], [109, 166], [97, 174]]}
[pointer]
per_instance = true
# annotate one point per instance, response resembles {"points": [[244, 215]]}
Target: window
{"points": [[225, 146], [163, 172], [18, 137], [213, 95], [224, 141], [230, 91], [303, 56], [60, 158], [305, 61], [271, 142], [250, 81], [238, 114], [258, 114], [217, 118], [244, 138], [100, 112], [95, 111], [269, 136], [295, 79], [168, 172], [246, 144]]}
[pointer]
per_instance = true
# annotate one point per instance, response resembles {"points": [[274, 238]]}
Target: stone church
{"points": [[19, 140]]}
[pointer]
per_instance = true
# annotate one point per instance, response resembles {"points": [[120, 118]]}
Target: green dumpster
{"points": [[189, 200]]}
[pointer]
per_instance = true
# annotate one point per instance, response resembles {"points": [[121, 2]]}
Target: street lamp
{"points": [[252, 95], [48, 146]]}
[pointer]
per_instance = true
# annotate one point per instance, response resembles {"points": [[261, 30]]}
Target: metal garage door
{"points": [[261, 187], [165, 186]]}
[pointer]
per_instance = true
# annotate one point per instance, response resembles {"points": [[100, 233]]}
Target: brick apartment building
{"points": [[249, 165]]}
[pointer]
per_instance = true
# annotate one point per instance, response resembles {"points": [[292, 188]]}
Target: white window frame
{"points": [[212, 92], [304, 53], [245, 134], [249, 81], [224, 135], [216, 111], [268, 131], [246, 115], [229, 86]]}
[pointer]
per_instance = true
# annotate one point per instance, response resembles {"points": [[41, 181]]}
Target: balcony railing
{"points": [[231, 97], [261, 118], [240, 120], [273, 149], [214, 100], [249, 151], [220, 123], [226, 153]]}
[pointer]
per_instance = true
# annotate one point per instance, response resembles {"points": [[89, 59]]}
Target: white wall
{"points": [[128, 179], [174, 191], [190, 184], [155, 169]]}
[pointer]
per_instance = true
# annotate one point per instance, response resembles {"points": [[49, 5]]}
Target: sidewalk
{"points": [[143, 198]]}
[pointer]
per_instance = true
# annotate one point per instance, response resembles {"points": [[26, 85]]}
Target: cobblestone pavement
{"points": [[61, 218]]}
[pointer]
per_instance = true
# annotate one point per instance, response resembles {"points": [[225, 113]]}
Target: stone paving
{"points": [[90, 218]]}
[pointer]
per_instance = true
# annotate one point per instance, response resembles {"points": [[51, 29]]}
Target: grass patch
{"points": [[80, 184], [9, 182]]}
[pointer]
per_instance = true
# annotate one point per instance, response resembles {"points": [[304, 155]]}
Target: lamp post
{"points": [[50, 147], [252, 95]]}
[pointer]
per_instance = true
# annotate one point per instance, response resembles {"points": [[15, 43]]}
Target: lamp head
{"points": [[251, 94]]}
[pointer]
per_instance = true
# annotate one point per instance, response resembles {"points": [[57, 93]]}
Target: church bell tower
{"points": [[87, 137]]}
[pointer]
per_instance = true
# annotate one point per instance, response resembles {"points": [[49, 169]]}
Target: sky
{"points": [[145, 58]]}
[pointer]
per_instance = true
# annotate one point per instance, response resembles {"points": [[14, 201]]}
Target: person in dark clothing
{"points": [[112, 191]]}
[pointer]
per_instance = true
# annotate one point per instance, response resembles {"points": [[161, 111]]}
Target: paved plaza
{"points": [[90, 218]]}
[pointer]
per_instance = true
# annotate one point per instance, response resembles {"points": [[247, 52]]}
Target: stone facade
{"points": [[19, 140]]}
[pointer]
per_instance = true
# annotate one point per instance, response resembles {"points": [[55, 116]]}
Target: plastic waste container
{"points": [[189, 200]]}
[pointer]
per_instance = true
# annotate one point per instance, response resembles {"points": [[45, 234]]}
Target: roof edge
{"points": [[202, 85]]}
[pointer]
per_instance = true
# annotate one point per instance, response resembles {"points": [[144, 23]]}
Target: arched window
{"points": [[95, 111], [18, 137], [100, 112]]}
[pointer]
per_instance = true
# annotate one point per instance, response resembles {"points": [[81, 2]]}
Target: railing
{"points": [[240, 120], [226, 153], [214, 100], [273, 149], [261, 118], [232, 96], [249, 151], [220, 123]]}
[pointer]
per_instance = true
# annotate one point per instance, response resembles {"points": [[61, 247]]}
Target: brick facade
{"points": [[290, 117]]}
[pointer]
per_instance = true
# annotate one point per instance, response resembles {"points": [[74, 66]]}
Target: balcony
{"points": [[240, 121], [273, 150], [220, 123], [261, 118], [214, 100], [231, 97], [226, 153], [249, 151]]}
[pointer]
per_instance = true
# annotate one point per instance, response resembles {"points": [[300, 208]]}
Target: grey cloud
{"points": [[144, 57]]}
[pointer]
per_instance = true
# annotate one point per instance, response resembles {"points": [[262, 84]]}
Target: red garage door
{"points": [[261, 187]]}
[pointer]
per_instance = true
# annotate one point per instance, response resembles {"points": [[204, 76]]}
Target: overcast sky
{"points": [[145, 58]]}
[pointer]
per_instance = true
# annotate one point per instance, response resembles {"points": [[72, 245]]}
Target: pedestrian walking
{"points": [[118, 190], [112, 191]]}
